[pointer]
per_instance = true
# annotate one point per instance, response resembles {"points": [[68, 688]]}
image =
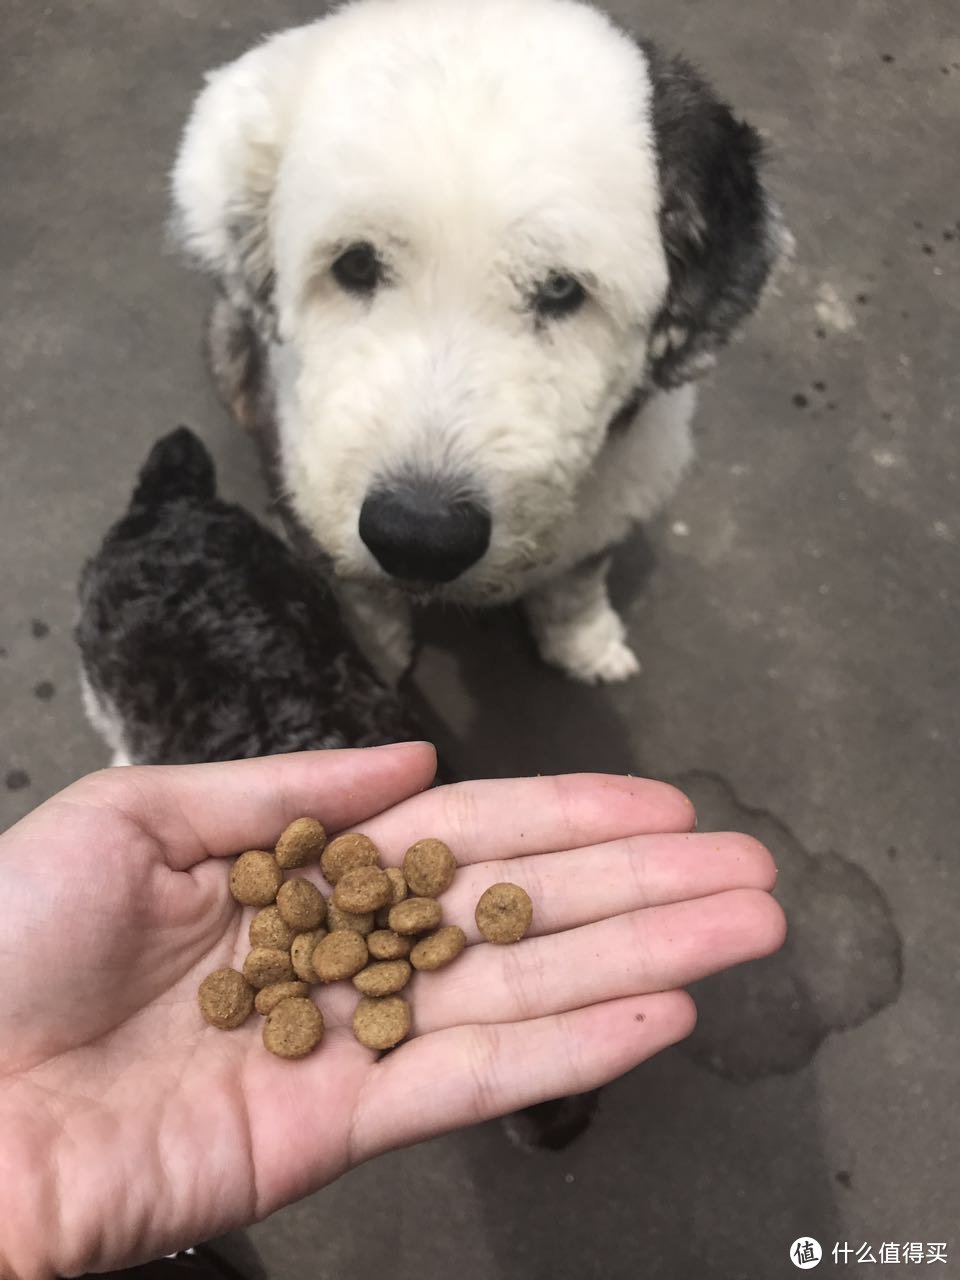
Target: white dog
{"points": [[472, 255]]}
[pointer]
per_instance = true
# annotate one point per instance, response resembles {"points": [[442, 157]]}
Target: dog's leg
{"points": [[551, 1126], [577, 629], [381, 621], [235, 360]]}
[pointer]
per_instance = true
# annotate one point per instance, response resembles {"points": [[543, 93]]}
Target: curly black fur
{"points": [[204, 638]]}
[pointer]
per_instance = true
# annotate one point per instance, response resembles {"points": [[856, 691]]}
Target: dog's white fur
{"points": [[459, 136]]}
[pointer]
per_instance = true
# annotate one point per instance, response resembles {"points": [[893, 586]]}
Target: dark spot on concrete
{"points": [[831, 404], [945, 71], [842, 961], [819, 386], [892, 852], [44, 690], [927, 249], [844, 1178], [800, 400], [863, 299], [17, 779], [821, 333], [639, 1017], [887, 417], [3, 652], [904, 315], [886, 57], [918, 226], [949, 235], [39, 628]]}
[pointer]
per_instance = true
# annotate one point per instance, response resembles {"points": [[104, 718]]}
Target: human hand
{"points": [[130, 1128]]}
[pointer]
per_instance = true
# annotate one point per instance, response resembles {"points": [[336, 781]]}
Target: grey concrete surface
{"points": [[796, 612]]}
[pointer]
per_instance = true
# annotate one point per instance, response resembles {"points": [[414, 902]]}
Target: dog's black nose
{"points": [[418, 532]]}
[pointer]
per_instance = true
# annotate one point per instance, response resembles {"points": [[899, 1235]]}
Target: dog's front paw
{"points": [[594, 651], [382, 625], [392, 648]]}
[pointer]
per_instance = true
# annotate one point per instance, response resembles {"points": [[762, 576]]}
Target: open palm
{"points": [[129, 1128]]}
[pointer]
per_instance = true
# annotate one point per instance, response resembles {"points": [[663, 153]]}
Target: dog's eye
{"points": [[358, 270], [559, 295]]}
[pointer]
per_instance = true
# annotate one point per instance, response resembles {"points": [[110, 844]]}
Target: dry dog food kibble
{"points": [[268, 929], [266, 965], [504, 913], [255, 878], [226, 999], [383, 978], [438, 949], [359, 921], [380, 1023], [339, 955], [362, 889], [301, 954], [302, 842], [290, 950], [293, 1028], [269, 997], [301, 904], [428, 867], [384, 944], [399, 891], [415, 915], [351, 850]]}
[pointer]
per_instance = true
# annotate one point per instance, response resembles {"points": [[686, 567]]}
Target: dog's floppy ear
{"points": [[721, 232], [226, 168]]}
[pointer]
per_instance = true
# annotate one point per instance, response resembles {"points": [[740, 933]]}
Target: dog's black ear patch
{"points": [[720, 231]]}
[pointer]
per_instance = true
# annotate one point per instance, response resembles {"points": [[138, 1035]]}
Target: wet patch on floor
{"points": [[842, 961]]}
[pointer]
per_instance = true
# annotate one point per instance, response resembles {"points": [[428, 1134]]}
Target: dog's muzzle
{"points": [[424, 530]]}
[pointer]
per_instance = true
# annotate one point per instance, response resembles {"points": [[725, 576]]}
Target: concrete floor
{"points": [[796, 612]]}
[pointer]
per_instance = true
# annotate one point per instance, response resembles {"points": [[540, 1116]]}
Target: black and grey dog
{"points": [[204, 637]]}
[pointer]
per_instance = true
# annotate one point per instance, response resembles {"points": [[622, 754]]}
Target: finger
{"points": [[504, 818], [211, 810], [467, 1074], [586, 885], [657, 949]]}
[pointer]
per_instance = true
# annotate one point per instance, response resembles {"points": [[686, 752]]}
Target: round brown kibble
{"points": [[301, 954], [428, 867], [301, 904], [293, 1028], [339, 955], [351, 850], [415, 915], [226, 999], [302, 841], [380, 1023], [255, 878], [383, 979], [400, 891], [438, 949], [362, 889], [270, 997], [268, 929], [359, 921], [504, 913], [266, 965], [384, 944]]}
